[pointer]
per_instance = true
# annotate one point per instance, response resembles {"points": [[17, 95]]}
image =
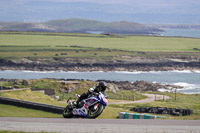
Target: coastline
{"points": [[187, 80], [99, 66], [60, 67], [125, 72]]}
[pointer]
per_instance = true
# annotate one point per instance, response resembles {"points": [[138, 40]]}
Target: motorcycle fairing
{"points": [[83, 111], [103, 100]]}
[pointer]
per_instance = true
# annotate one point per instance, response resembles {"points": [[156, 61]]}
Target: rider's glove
{"points": [[91, 90]]}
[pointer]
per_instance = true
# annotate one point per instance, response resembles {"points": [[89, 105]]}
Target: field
{"points": [[28, 44], [130, 43]]}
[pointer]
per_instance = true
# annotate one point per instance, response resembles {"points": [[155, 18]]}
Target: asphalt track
{"points": [[99, 125]]}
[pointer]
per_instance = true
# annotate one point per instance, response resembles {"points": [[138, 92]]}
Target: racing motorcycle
{"points": [[91, 107]]}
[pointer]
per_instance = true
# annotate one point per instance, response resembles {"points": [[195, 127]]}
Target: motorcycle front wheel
{"points": [[67, 113], [94, 113]]}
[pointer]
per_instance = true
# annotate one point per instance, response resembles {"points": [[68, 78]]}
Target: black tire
{"points": [[97, 112], [67, 113]]}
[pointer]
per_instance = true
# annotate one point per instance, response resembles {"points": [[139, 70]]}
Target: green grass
{"points": [[130, 43], [13, 111], [28, 95], [125, 95], [111, 112], [46, 84], [183, 101], [34, 45], [7, 131], [7, 110]]}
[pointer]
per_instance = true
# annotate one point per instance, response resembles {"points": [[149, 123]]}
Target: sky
{"points": [[142, 11]]}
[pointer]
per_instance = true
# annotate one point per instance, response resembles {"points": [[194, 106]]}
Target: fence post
{"points": [[1, 90], [175, 93]]}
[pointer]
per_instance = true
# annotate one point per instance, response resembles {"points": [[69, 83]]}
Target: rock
{"points": [[127, 63], [25, 83], [71, 85], [138, 85], [113, 88], [69, 89], [148, 86], [57, 97]]}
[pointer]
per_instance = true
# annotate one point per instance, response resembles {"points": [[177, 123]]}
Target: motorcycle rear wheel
{"points": [[67, 113], [94, 114]]}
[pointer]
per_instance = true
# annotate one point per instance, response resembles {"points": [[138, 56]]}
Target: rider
{"points": [[101, 87]]}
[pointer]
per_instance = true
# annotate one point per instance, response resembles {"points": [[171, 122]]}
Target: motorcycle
{"points": [[91, 107]]}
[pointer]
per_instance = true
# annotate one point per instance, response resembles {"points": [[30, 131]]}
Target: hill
{"points": [[81, 26]]}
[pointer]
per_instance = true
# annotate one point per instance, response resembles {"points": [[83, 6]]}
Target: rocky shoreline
{"points": [[98, 66], [70, 85]]}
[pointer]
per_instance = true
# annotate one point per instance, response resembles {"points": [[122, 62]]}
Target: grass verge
{"points": [[183, 101], [7, 131], [13, 111]]}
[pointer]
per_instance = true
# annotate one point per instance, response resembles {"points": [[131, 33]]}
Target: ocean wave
{"points": [[71, 72], [187, 88], [39, 71], [164, 90], [126, 72], [185, 85], [183, 71], [196, 71], [137, 72]]}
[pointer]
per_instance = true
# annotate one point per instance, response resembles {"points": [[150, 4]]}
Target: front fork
{"points": [[69, 102]]}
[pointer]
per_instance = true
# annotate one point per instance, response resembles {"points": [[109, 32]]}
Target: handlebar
{"points": [[94, 93]]}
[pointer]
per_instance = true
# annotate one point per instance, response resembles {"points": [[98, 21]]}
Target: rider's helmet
{"points": [[102, 86]]}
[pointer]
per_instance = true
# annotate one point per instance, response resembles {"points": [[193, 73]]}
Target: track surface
{"points": [[99, 125]]}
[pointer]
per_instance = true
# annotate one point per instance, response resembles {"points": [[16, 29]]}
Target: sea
{"points": [[189, 80], [194, 33]]}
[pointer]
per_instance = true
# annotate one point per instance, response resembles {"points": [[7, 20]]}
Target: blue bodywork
{"points": [[83, 112]]}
